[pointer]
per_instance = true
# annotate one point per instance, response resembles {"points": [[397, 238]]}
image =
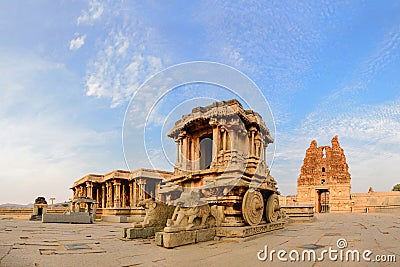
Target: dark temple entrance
{"points": [[206, 146], [323, 201]]}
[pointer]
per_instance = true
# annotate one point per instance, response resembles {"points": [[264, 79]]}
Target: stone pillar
{"points": [[185, 152], [110, 194], [251, 142], [265, 153], [142, 189], [103, 196], [130, 194], [94, 211], [197, 153], [135, 193], [177, 141], [89, 192], [257, 145], [192, 154], [97, 195], [123, 196], [71, 207], [180, 150], [117, 194], [139, 191], [223, 139], [215, 141], [157, 191]]}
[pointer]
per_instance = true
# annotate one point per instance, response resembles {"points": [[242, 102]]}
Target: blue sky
{"points": [[69, 69]]}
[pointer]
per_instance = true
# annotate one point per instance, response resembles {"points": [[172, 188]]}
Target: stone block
{"points": [[132, 233], [67, 218], [171, 240], [123, 232], [203, 235], [159, 238]]}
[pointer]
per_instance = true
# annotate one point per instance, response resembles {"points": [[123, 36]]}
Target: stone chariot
{"points": [[221, 155]]}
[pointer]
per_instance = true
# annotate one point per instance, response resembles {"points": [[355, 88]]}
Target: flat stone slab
{"points": [[133, 233], [66, 218], [171, 240], [245, 231]]}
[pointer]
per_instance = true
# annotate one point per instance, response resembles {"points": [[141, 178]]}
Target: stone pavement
{"points": [[25, 243]]}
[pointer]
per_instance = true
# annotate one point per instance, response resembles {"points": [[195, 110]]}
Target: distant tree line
{"points": [[396, 187]]}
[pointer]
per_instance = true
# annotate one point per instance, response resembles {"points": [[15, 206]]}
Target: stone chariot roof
{"points": [[219, 110]]}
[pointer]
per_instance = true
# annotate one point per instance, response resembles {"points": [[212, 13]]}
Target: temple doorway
{"points": [[323, 201]]}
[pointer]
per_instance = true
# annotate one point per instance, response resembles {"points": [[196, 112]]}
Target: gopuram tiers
{"points": [[324, 179]]}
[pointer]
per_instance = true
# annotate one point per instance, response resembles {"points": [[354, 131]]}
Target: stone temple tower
{"points": [[324, 179]]}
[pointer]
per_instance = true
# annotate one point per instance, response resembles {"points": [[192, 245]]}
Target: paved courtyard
{"points": [[24, 243]]}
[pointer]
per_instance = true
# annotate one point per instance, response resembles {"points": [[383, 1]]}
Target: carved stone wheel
{"points": [[252, 207], [272, 208]]}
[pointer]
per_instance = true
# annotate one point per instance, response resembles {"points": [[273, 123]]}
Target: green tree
{"points": [[396, 187]]}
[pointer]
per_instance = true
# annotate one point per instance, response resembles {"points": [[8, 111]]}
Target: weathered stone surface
{"points": [[132, 233], [171, 240], [203, 235], [159, 239], [76, 217], [248, 230]]}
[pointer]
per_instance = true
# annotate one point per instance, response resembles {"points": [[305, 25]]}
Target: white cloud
{"points": [[77, 43], [95, 11], [118, 70], [233, 55]]}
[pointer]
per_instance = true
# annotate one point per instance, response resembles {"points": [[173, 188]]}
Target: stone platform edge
{"points": [[246, 231], [171, 240]]}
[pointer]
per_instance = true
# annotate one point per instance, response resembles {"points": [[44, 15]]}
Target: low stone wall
{"points": [[25, 213], [121, 218], [392, 209]]}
